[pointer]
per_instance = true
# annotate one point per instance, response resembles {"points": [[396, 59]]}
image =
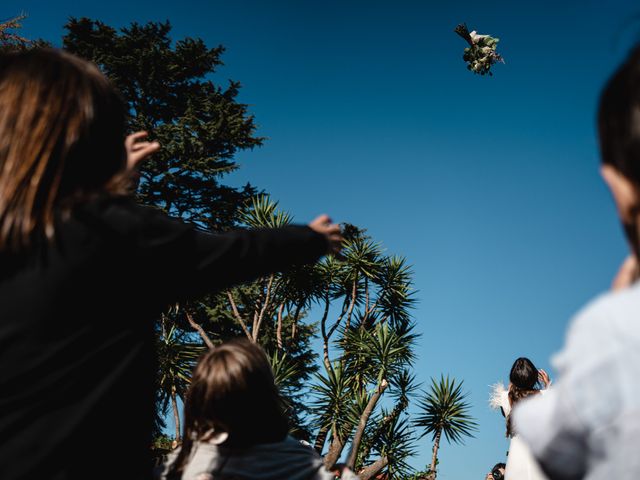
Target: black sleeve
{"points": [[182, 261]]}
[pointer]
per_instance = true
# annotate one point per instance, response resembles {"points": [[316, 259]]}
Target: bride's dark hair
{"points": [[524, 380]]}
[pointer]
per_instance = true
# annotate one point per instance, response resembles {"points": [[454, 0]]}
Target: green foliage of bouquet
{"points": [[481, 53]]}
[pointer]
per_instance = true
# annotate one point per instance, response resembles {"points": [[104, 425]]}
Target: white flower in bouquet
{"points": [[481, 53]]}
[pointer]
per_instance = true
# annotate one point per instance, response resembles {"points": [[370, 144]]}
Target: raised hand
{"points": [[331, 231], [544, 378], [138, 149]]}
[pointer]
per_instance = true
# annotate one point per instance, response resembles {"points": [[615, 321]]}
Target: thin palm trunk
{"points": [[335, 450], [279, 327], [203, 335], [321, 439], [176, 414], [385, 421], [434, 458], [372, 470], [237, 316], [258, 321], [364, 419], [296, 317], [323, 330], [354, 291]]}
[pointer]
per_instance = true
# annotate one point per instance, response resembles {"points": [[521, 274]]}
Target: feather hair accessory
{"points": [[498, 392]]}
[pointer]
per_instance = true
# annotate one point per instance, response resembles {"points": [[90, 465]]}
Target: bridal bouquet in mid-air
{"points": [[481, 53]]}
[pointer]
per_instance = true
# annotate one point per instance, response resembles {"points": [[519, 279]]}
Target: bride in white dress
{"points": [[524, 378]]}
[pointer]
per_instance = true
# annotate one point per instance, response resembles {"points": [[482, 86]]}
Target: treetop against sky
{"points": [[488, 186]]}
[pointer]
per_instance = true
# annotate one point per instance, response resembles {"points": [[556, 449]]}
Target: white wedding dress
{"points": [[520, 463]]}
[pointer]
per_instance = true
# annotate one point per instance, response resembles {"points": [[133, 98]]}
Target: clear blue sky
{"points": [[489, 186]]}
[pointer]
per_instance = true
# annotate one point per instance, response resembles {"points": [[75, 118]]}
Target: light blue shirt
{"points": [[588, 425]]}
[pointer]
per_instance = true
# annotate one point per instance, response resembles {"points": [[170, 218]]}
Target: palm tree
{"points": [[367, 344], [444, 409], [177, 356], [377, 355], [371, 339], [333, 398], [394, 445]]}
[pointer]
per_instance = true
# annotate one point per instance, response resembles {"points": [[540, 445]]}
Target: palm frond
{"points": [[177, 356], [262, 212], [444, 409]]}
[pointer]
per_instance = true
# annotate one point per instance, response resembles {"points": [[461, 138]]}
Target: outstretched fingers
{"points": [[138, 150], [331, 231]]}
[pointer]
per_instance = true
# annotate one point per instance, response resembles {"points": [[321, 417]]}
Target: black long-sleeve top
{"points": [[77, 360]]}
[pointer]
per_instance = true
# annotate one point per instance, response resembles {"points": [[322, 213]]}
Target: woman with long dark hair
{"points": [[228, 434], [84, 271], [525, 381], [588, 426]]}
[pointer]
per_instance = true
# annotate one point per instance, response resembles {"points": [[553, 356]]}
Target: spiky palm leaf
{"points": [[286, 373], [403, 388], [333, 400], [361, 257], [331, 272], [397, 443], [262, 212], [396, 293], [284, 370], [378, 353], [445, 409], [177, 356]]}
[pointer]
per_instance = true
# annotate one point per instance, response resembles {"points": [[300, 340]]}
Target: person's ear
{"points": [[625, 193]]}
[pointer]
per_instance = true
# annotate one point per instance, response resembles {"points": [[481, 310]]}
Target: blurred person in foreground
{"points": [[85, 271], [588, 425]]}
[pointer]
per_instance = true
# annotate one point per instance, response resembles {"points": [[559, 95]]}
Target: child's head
{"points": [[62, 127], [233, 390], [619, 128]]}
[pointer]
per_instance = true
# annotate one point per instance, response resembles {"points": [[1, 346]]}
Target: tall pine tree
{"points": [[200, 124]]}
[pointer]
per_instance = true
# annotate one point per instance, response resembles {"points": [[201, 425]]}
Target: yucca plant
{"points": [[444, 410], [373, 358], [394, 446], [333, 395], [177, 356]]}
